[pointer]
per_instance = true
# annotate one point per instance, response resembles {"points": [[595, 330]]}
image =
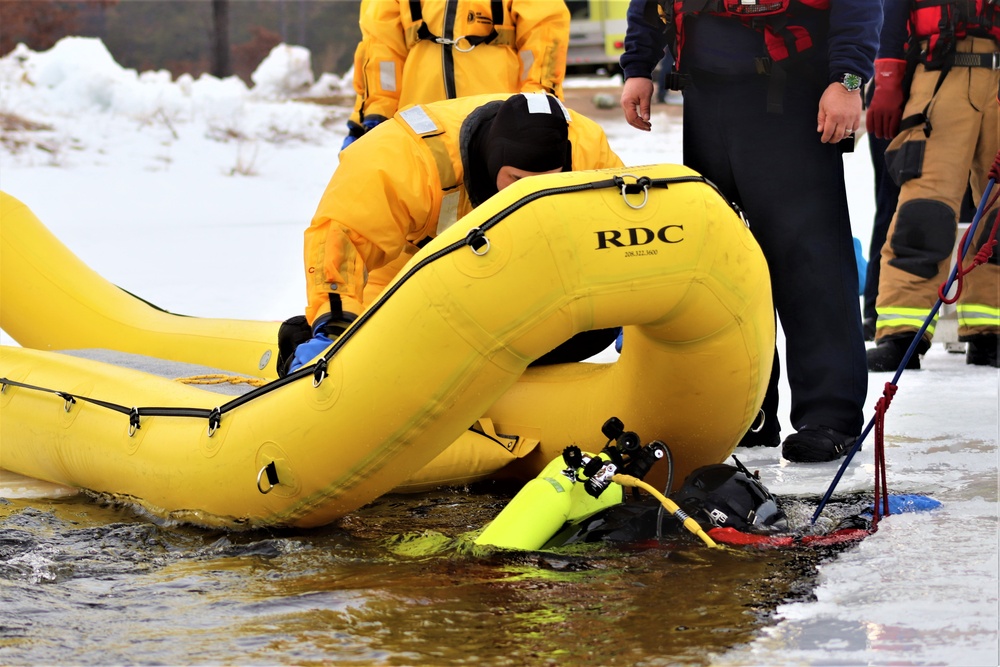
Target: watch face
{"points": [[851, 81]]}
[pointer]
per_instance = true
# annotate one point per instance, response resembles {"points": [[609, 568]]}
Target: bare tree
{"points": [[220, 43]]}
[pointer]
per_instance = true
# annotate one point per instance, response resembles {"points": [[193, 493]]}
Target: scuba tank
{"points": [[542, 506], [570, 488]]}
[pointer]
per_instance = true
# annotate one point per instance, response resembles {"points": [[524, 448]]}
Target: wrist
{"points": [[328, 325], [319, 326], [851, 82]]}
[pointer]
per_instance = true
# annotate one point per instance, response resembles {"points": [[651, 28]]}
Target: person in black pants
{"points": [[764, 118]]}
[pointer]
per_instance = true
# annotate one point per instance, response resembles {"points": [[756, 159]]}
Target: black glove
{"points": [[299, 343], [293, 332], [326, 329]]}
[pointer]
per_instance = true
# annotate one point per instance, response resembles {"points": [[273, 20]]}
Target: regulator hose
{"points": [[671, 506]]}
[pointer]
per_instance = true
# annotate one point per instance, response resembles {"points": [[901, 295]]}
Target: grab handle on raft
{"points": [[272, 478], [671, 506]]}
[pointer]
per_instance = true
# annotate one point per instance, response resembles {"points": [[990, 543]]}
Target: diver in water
{"points": [[716, 496], [581, 498]]}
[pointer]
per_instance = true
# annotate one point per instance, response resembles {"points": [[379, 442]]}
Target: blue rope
{"points": [[913, 346]]}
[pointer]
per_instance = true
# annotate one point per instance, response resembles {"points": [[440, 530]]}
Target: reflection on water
{"points": [[392, 584]]}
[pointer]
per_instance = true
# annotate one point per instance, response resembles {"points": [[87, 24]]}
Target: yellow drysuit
{"points": [[403, 183], [399, 62]]}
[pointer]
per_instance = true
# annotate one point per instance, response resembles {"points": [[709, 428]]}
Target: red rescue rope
{"points": [[981, 257], [881, 485]]}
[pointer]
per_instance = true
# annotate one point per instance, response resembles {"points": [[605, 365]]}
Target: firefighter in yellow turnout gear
{"points": [[413, 177], [420, 51], [949, 134]]}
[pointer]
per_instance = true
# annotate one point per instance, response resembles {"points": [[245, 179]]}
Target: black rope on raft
{"points": [[475, 239]]}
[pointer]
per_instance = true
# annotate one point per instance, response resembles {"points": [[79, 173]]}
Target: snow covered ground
{"points": [[194, 195]]}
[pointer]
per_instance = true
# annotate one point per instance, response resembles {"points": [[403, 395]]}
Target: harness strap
{"points": [[987, 60], [423, 32], [923, 117]]}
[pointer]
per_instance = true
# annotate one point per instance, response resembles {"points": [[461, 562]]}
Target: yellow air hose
{"points": [[671, 506]]}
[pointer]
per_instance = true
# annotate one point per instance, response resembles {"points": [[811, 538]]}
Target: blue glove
{"points": [[309, 350], [355, 131], [321, 340]]}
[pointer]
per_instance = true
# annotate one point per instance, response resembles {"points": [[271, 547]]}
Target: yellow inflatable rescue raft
{"points": [[654, 249]]}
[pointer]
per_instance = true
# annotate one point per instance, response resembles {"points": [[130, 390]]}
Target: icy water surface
{"points": [[87, 583]]}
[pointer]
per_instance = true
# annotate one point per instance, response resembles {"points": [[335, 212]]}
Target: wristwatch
{"points": [[851, 81]]}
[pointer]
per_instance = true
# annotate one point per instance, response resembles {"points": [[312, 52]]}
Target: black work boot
{"points": [[889, 353], [816, 444], [982, 350]]}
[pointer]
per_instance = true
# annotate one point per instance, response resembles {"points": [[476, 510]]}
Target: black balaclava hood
{"points": [[530, 131]]}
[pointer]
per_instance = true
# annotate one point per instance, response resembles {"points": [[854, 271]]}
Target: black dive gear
{"points": [[724, 496]]}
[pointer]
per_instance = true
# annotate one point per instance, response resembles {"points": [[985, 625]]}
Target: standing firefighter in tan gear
{"points": [[413, 177], [948, 137], [420, 51]]}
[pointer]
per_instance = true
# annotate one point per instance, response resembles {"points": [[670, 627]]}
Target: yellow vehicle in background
{"points": [[596, 35]]}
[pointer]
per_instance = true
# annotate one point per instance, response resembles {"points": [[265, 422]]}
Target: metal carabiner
{"points": [[133, 421], [485, 247], [320, 373], [477, 240], [458, 40], [68, 400], [214, 421], [645, 192]]}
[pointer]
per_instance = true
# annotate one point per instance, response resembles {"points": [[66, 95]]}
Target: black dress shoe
{"points": [[889, 353], [816, 444]]}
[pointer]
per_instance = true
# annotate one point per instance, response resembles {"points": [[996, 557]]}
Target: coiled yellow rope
{"points": [[218, 378]]}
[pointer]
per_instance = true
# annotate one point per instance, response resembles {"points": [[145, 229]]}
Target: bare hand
{"points": [[637, 94], [839, 113]]}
